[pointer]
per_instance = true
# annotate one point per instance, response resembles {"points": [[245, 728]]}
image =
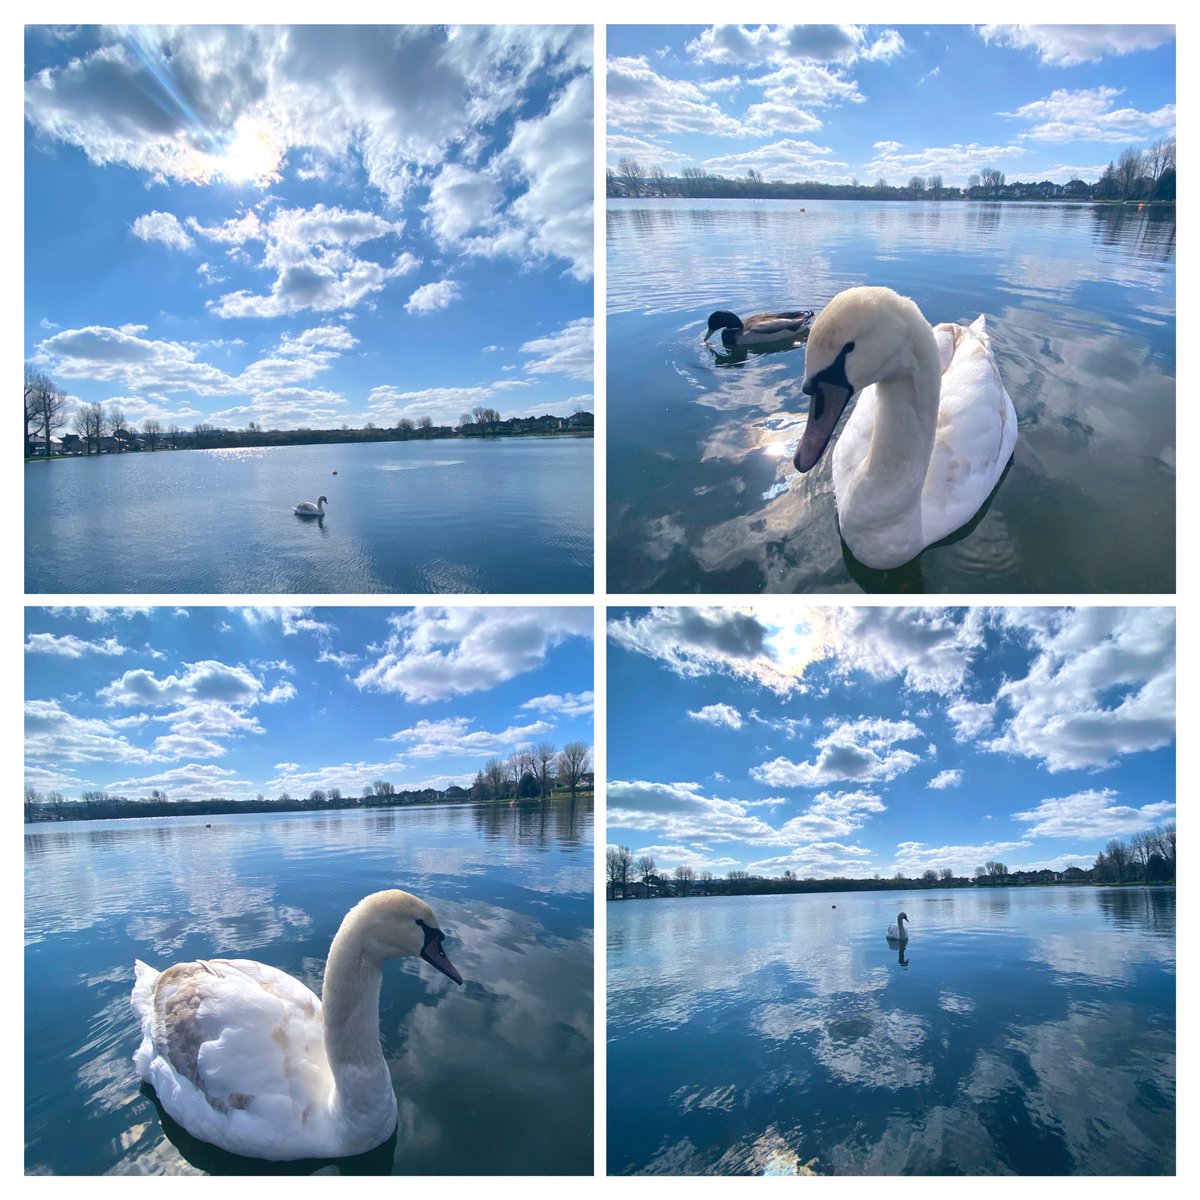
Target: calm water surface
{"points": [[1080, 303], [475, 1068], [510, 515], [1026, 1031]]}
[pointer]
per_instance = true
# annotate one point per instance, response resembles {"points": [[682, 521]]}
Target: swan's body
{"points": [[931, 433], [897, 932], [761, 329], [306, 508], [247, 1058]]}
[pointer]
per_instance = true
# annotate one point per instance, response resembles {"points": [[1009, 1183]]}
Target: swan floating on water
{"points": [[897, 932], [931, 433], [306, 508], [247, 1058], [761, 329]]}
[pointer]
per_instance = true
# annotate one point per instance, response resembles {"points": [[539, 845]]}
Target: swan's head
{"points": [[722, 320], [322, 500], [901, 917], [860, 337], [396, 924]]}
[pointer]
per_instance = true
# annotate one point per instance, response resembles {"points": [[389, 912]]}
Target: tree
{"points": [[935, 186], [486, 418], [574, 762], [929, 875], [48, 404], [152, 431], [1107, 187], [494, 775], [617, 862], [1140, 849], [991, 180], [1118, 858], [544, 754], [629, 170], [383, 789], [645, 866], [684, 876], [31, 385], [317, 796], [32, 799], [425, 424], [116, 425], [972, 181], [916, 185], [706, 878], [89, 424], [1129, 173], [405, 427], [997, 870], [946, 874], [335, 795]]}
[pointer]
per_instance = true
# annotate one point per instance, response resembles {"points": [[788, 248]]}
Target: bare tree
{"points": [[991, 180], [972, 181], [116, 425], [629, 170], [405, 426], [1117, 854], [644, 866], [494, 776], [916, 185], [574, 762], [946, 874], [89, 424], [684, 877], [49, 406], [425, 424], [617, 862], [1129, 173], [544, 754], [32, 376], [486, 418], [152, 431], [936, 185]]}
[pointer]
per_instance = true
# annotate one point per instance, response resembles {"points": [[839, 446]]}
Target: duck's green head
{"points": [[722, 320]]}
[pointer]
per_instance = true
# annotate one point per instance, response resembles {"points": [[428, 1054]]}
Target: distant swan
{"points": [[897, 932], [930, 435], [248, 1059], [306, 508]]}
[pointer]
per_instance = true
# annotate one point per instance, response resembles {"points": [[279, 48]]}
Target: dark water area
{"points": [[1020, 1031], [402, 517], [474, 1068], [1080, 307]]}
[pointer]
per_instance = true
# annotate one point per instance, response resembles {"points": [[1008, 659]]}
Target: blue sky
{"points": [[311, 225], [839, 103], [849, 741], [235, 701]]}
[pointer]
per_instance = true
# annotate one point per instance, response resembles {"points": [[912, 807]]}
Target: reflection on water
{"points": [[401, 517], [512, 887], [1027, 1031], [1080, 302]]}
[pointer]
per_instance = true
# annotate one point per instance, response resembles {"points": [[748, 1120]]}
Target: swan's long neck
{"points": [[350, 1000], [904, 431], [321, 505]]}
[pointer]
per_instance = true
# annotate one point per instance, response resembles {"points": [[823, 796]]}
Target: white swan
{"points": [[897, 932], [306, 508], [930, 435], [248, 1059]]}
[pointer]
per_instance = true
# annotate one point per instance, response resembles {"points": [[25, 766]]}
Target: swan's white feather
{"points": [[235, 1051]]}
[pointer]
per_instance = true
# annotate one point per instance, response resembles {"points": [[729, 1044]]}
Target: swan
{"points": [[247, 1058], [897, 932], [761, 329], [930, 435], [306, 508]]}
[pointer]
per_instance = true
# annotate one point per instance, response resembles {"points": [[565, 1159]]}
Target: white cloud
{"points": [[945, 779], [1089, 115], [207, 681], [858, 751], [843, 44], [1093, 813], [570, 704], [568, 351], [435, 653], [54, 735], [193, 781], [817, 860], [1102, 685], [430, 297], [718, 714], [970, 718], [162, 227], [915, 857], [454, 736], [342, 660], [642, 100], [70, 646], [681, 813], [291, 619], [1072, 45]]}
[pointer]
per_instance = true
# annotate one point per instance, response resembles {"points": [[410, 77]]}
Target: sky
{"points": [[310, 225], [838, 103], [232, 702], [855, 741]]}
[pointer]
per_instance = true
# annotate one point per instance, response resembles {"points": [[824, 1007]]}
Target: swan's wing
{"points": [[234, 1042], [976, 433]]}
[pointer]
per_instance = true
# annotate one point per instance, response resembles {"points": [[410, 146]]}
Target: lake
{"points": [[469, 515], [1080, 306], [1027, 1031], [477, 1069]]}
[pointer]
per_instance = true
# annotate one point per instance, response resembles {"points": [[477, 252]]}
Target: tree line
{"points": [[1146, 858], [1136, 175], [105, 427], [567, 772]]}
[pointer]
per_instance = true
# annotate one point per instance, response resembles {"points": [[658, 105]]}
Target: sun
{"points": [[253, 156]]}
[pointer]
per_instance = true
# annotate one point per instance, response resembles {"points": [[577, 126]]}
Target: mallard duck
{"points": [[761, 329], [246, 1058], [930, 435]]}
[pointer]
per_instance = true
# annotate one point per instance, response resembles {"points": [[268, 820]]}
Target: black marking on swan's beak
{"points": [[433, 953], [830, 391]]}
